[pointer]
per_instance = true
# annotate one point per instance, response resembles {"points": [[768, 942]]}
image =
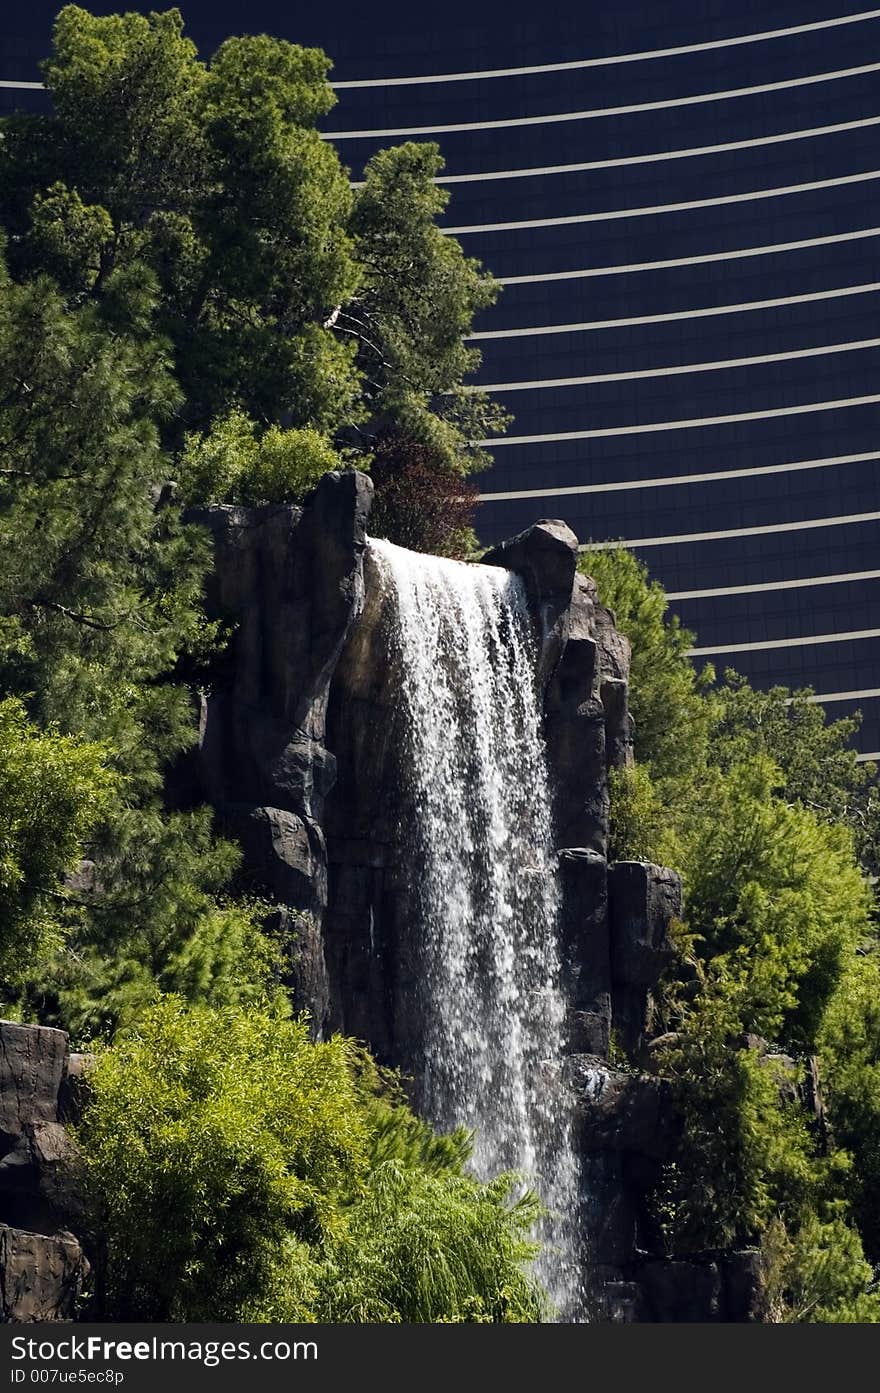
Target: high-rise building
{"points": [[681, 202]]}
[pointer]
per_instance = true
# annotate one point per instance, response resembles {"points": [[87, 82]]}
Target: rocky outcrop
{"points": [[42, 1265], [299, 753], [644, 900], [290, 582]]}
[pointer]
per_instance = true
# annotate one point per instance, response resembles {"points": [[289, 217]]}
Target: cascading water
{"points": [[484, 894]]}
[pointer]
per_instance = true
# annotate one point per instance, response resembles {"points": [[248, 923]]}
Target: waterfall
{"points": [[484, 899]]}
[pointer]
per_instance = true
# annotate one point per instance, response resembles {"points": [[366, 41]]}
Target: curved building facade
{"points": [[681, 201]]}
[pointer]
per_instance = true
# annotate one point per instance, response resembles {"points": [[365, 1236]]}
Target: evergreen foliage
{"points": [[195, 307], [761, 805], [192, 313], [282, 293], [55, 789]]}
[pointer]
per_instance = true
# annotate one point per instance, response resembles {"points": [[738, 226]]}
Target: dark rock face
{"points": [[585, 950], [644, 900], [291, 581], [32, 1065], [40, 1277], [545, 555], [42, 1265]]}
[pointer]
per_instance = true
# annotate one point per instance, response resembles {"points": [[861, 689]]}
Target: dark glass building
{"points": [[681, 200]]}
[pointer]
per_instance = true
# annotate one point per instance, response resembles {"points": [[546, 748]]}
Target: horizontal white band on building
{"points": [[829, 697], [714, 476], [874, 757], [622, 161], [741, 253], [723, 534], [557, 118], [540, 171], [676, 370], [643, 56], [689, 423], [710, 311], [657, 209], [810, 641], [768, 586], [578, 63]]}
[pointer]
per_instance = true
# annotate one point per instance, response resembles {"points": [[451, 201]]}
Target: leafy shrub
{"points": [[237, 1171], [761, 805], [55, 789], [233, 463]]}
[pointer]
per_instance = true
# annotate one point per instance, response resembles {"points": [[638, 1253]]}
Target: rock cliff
{"points": [[42, 1265], [298, 753]]}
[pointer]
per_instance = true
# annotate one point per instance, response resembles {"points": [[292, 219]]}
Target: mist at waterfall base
{"points": [[484, 893]]}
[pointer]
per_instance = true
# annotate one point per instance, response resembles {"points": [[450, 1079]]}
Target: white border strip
{"points": [[745, 307], [675, 480], [812, 640], [687, 424], [537, 171], [641, 57], [677, 370], [864, 759], [558, 117], [818, 697], [773, 249], [759, 141], [651, 210], [765, 586], [683, 538]]}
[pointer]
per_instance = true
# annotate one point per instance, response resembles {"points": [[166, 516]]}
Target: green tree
{"points": [[98, 589], [415, 305], [235, 463], [670, 716], [761, 804], [819, 764], [55, 789], [282, 294], [238, 1171], [100, 596], [216, 179], [850, 1052]]}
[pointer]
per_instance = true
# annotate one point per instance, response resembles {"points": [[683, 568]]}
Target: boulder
{"points": [[584, 949], [546, 556], [32, 1066], [305, 973], [285, 855], [643, 901], [41, 1276], [42, 1267], [676, 1292], [621, 1112], [290, 581], [614, 693], [574, 731], [38, 1179], [71, 1098]]}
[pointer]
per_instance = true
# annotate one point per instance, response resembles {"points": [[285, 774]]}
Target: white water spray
{"points": [[485, 894]]}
